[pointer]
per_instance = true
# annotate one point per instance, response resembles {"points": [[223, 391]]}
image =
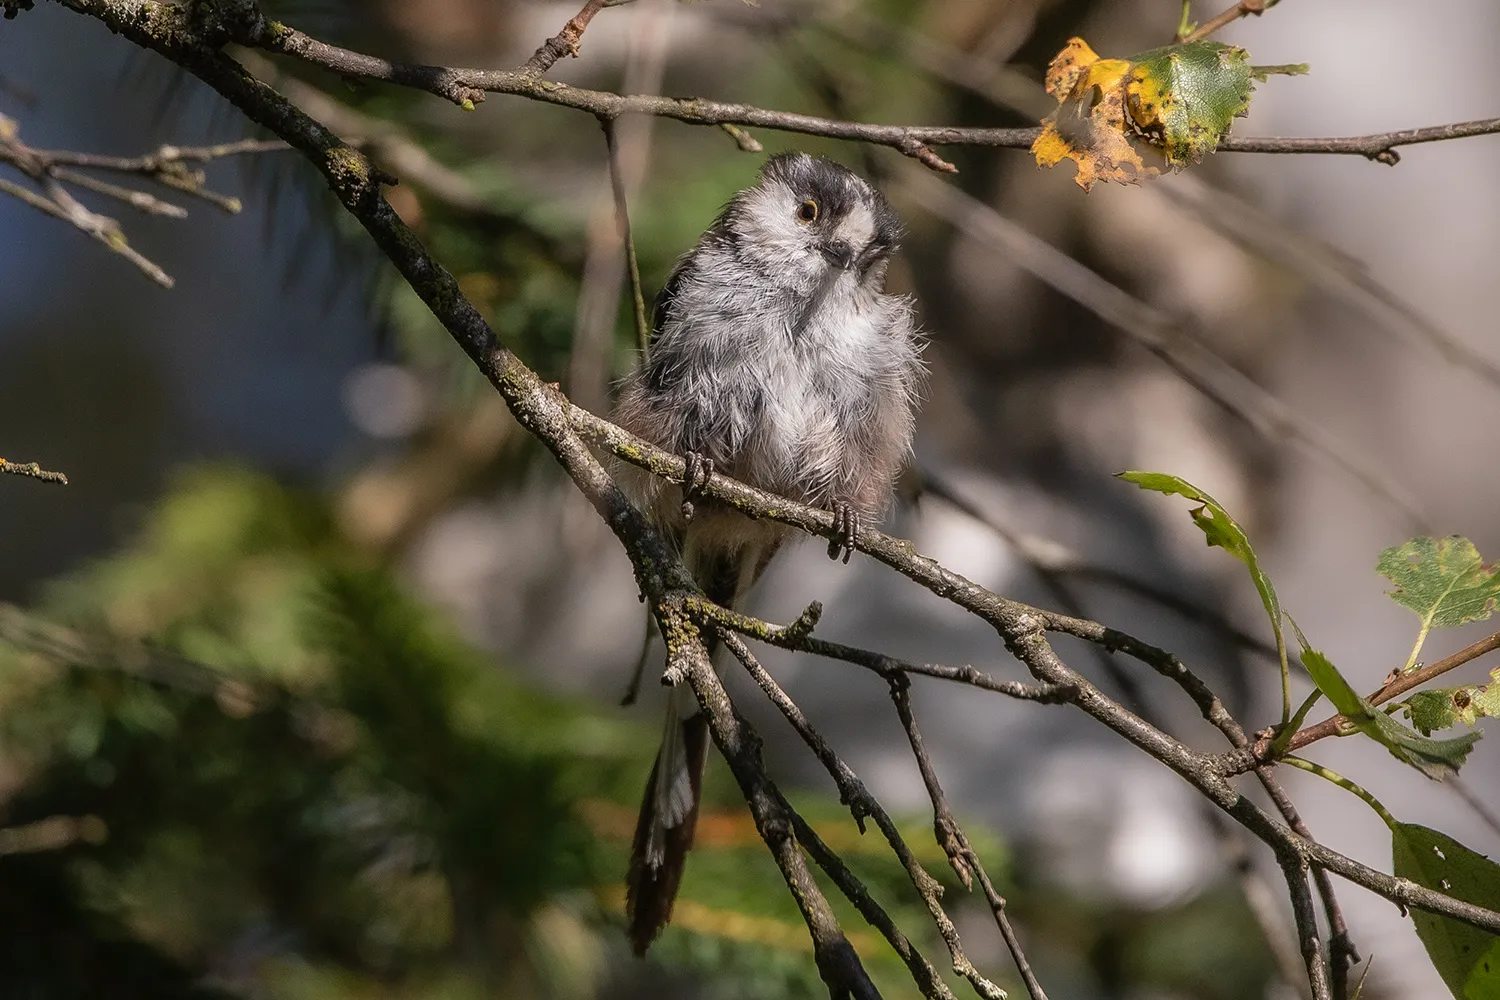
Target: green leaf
{"points": [[1183, 98], [1443, 580], [1223, 531], [1440, 708], [1466, 957], [1437, 759]]}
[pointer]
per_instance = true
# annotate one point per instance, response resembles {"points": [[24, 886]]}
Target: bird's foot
{"points": [[846, 527], [696, 472]]}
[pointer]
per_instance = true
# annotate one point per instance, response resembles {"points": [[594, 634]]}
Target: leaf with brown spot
{"points": [[1089, 127], [1179, 100]]}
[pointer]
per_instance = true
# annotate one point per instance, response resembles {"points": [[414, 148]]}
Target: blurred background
{"points": [[311, 678]]}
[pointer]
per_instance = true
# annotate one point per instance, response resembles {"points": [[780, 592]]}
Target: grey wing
{"points": [[662, 307]]}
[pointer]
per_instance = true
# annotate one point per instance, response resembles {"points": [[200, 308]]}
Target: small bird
{"points": [[776, 357]]}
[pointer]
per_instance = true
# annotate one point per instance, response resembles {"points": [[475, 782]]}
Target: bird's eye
{"points": [[808, 211]]}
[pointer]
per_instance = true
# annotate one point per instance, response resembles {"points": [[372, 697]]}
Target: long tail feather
{"points": [[669, 808], [664, 831]]}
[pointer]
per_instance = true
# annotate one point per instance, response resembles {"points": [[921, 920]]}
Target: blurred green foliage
{"points": [[238, 756]]}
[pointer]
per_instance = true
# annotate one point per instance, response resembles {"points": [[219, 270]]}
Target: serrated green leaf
{"points": [[1332, 683], [1223, 531], [1443, 580], [1437, 759], [1183, 98], [1466, 957], [1440, 708]]}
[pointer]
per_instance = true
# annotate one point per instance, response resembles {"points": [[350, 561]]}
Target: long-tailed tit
{"points": [[777, 358]]}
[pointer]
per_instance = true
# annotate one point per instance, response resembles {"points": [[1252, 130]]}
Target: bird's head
{"points": [[813, 220]]}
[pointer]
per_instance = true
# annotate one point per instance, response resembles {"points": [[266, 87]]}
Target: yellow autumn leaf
{"points": [[1179, 100], [1090, 126]]}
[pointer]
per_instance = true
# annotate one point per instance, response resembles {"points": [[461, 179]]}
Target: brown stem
{"points": [[565, 42], [1339, 724], [1226, 17]]}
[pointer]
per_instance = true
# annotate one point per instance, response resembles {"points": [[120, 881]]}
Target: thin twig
{"points": [[53, 170], [742, 139], [565, 42], [1155, 331], [951, 838], [141, 200], [622, 215], [1294, 867], [862, 804], [467, 87], [30, 469], [1339, 725], [794, 637], [164, 158], [102, 229], [1244, 8]]}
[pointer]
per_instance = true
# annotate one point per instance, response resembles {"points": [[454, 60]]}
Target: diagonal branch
{"points": [[565, 42], [951, 837], [775, 820], [854, 794]]}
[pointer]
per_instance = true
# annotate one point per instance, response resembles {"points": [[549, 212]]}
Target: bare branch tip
{"points": [[743, 139], [922, 153], [32, 470]]}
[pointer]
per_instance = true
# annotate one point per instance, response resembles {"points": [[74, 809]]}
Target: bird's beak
{"points": [[838, 253]]}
